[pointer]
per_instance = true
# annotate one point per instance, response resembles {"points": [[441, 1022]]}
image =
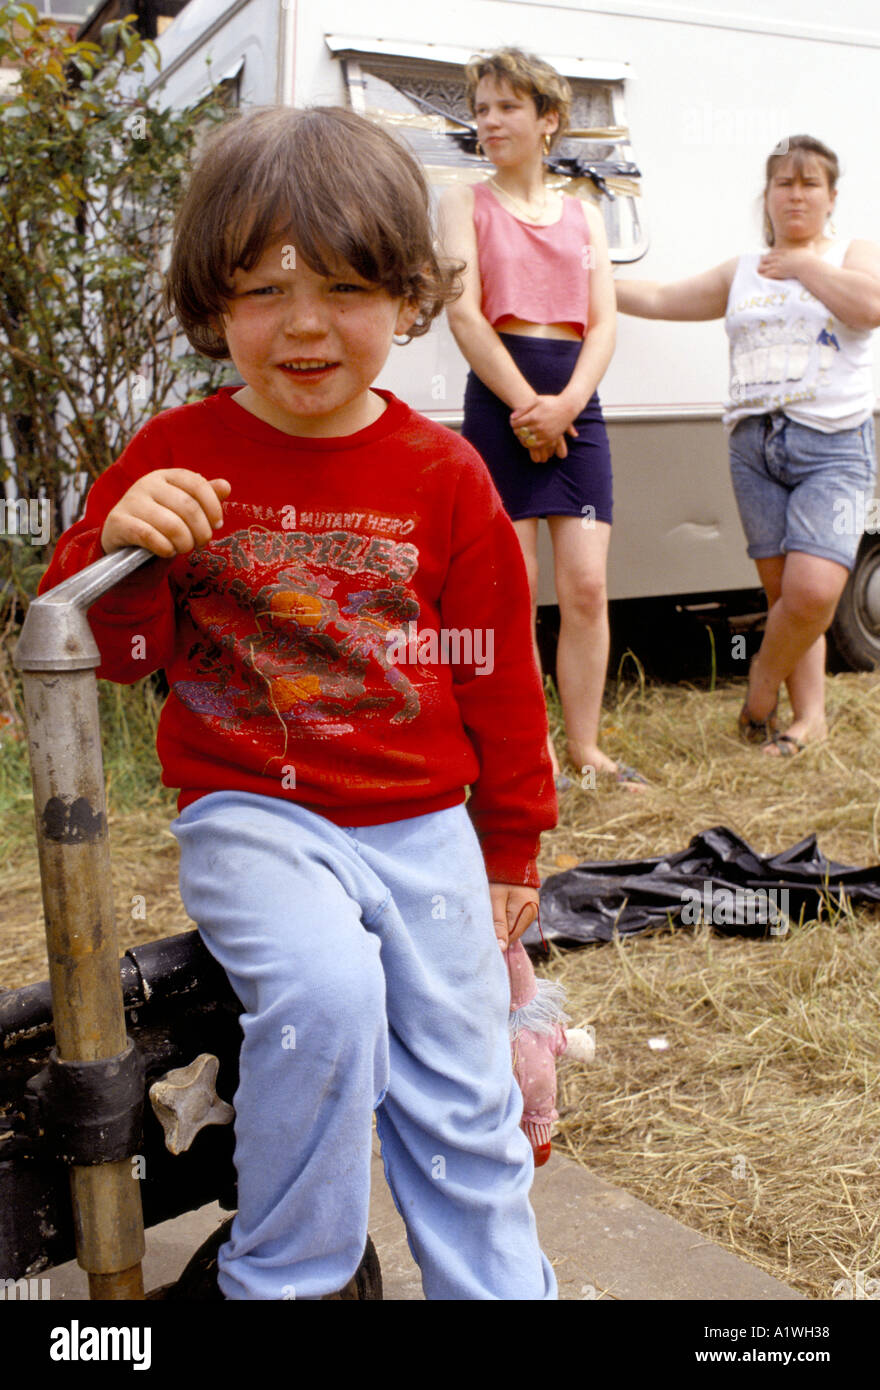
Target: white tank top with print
{"points": [[788, 352]]}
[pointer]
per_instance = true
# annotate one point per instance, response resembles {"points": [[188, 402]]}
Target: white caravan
{"points": [[677, 106]]}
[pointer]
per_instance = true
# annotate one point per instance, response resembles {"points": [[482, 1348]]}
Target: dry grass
{"points": [[144, 852], [759, 1126], [144, 862]]}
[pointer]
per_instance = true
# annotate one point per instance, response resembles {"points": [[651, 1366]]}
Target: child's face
{"points": [[309, 346]]}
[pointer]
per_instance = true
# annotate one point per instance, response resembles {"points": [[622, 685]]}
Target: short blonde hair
{"points": [[528, 75]]}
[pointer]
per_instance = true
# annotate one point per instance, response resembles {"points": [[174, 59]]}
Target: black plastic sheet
{"points": [[719, 879]]}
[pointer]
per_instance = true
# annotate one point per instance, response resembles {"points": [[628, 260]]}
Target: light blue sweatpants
{"points": [[371, 978]]}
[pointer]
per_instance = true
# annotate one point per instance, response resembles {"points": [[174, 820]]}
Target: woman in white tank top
{"points": [[799, 317]]}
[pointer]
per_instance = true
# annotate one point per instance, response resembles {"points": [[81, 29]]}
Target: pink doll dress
{"points": [[537, 1038]]}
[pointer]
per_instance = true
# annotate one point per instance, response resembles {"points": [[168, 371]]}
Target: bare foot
{"points": [[583, 756], [594, 764]]}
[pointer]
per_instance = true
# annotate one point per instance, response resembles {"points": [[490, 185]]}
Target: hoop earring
{"points": [[547, 143], [479, 150], [832, 230]]}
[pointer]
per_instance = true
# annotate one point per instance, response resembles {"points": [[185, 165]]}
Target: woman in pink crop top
{"points": [[536, 322]]}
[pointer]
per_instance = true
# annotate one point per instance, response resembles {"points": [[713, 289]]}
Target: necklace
{"points": [[532, 216]]}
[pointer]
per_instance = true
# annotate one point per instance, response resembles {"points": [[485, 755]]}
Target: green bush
{"points": [[91, 168]]}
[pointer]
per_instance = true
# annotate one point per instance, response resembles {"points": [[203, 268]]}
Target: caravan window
{"points": [[64, 9], [67, 11], [425, 102]]}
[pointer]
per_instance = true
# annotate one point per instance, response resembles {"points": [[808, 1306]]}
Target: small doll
{"points": [[537, 1038]]}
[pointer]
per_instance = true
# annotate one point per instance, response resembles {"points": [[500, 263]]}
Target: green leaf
{"points": [[25, 15], [88, 220]]}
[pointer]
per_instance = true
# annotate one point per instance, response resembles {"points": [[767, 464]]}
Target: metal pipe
{"points": [[57, 656], [175, 967]]}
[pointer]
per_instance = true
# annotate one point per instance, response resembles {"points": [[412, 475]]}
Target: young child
{"points": [[342, 613]]}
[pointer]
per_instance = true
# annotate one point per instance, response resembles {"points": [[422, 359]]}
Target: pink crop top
{"points": [[538, 274]]}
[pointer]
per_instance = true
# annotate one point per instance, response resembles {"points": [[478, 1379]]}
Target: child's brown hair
{"points": [[341, 189]]}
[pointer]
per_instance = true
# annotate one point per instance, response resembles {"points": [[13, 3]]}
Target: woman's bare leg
{"points": [[806, 689], [581, 558], [527, 531], [802, 593]]}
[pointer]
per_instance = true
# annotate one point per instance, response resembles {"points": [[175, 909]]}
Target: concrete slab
{"points": [[602, 1242], [605, 1243]]}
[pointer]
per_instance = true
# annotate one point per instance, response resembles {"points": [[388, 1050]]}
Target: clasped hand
{"points": [[542, 426], [784, 265]]}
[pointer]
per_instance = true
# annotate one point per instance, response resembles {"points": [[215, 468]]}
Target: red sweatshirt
{"points": [[356, 636]]}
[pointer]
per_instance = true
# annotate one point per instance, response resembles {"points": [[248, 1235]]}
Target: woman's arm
{"points": [[850, 292], [700, 297], [599, 339], [475, 336]]}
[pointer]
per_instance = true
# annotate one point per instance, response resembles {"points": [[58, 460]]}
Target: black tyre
{"points": [[855, 631], [198, 1282]]}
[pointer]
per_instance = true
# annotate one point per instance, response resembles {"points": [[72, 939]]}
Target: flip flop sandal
{"points": [[788, 747], [757, 730], [622, 775], [628, 774]]}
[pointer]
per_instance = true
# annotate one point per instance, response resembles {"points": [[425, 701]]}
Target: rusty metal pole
{"points": [[57, 656]]}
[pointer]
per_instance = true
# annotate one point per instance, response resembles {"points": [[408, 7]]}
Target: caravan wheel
{"points": [[855, 631]]}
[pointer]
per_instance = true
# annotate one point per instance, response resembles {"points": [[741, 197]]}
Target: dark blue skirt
{"points": [[560, 487]]}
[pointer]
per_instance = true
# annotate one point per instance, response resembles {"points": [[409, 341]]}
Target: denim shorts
{"points": [[801, 489]]}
